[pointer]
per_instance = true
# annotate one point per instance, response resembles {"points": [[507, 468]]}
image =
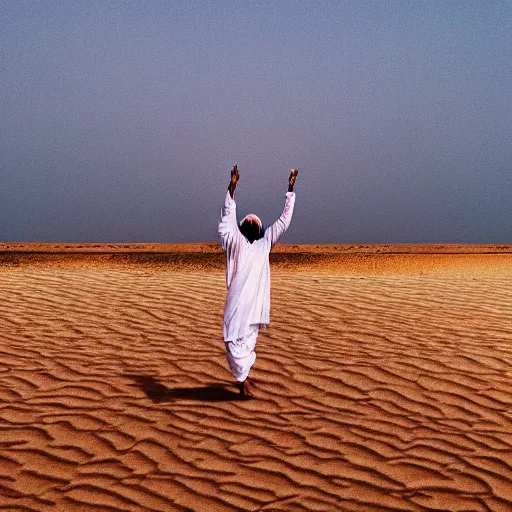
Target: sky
{"points": [[121, 120]]}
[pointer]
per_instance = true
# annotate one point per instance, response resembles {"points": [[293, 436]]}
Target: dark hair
{"points": [[251, 230]]}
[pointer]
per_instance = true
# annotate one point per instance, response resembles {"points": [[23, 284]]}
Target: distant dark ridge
{"points": [[215, 248], [360, 262], [214, 260], [113, 259]]}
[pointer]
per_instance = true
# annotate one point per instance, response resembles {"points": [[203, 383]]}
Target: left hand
{"points": [[234, 180], [234, 176]]}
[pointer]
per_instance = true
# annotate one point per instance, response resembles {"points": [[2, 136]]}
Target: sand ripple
{"points": [[388, 392]]}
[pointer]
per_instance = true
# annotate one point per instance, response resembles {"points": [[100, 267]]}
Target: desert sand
{"points": [[384, 381]]}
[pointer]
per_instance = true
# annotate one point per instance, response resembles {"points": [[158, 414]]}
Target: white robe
{"points": [[248, 270]]}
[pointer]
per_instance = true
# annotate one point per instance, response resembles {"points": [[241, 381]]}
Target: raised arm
{"points": [[228, 226], [274, 232]]}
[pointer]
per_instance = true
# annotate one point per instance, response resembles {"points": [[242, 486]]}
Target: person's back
{"points": [[247, 251]]}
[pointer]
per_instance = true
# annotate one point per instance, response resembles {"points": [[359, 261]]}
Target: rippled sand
{"points": [[383, 383]]}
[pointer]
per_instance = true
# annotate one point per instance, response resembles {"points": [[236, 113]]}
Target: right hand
{"points": [[291, 179]]}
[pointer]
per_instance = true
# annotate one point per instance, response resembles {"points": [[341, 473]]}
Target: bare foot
{"points": [[247, 388]]}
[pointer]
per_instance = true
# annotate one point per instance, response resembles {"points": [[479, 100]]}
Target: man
{"points": [[247, 249]]}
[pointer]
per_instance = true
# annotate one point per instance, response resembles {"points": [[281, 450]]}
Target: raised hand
{"points": [[291, 179], [234, 180], [234, 175]]}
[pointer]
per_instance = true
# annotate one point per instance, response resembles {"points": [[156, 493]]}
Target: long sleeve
{"points": [[228, 227], [274, 232]]}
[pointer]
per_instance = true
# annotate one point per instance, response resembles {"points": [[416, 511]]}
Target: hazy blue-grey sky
{"points": [[120, 120]]}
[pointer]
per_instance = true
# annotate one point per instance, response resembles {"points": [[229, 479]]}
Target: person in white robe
{"points": [[247, 246]]}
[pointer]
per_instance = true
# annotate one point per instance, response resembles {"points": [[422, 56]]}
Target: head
{"points": [[251, 227]]}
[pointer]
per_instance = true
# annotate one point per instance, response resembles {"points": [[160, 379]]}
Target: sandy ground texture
{"points": [[383, 383]]}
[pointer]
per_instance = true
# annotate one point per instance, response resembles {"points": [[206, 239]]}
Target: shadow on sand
{"points": [[158, 392]]}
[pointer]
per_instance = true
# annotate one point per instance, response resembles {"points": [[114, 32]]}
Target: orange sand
{"points": [[383, 383]]}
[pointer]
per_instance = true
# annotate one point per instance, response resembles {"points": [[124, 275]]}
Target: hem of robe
{"points": [[246, 374], [241, 354]]}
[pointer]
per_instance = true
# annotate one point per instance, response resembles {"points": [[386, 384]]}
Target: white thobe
{"points": [[248, 270]]}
